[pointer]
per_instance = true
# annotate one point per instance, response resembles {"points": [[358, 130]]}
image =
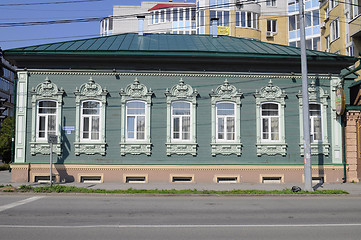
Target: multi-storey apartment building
{"points": [[341, 30], [274, 21], [7, 75], [159, 17], [312, 24], [250, 19]]}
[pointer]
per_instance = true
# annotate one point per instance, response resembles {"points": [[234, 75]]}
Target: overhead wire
{"points": [[47, 3]]}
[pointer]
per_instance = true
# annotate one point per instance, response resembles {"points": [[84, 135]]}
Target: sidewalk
{"points": [[351, 188]]}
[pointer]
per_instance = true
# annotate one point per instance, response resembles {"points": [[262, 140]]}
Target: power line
{"points": [[47, 3]]}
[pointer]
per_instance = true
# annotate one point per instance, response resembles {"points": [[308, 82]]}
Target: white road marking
{"points": [[189, 226], [18, 203]]}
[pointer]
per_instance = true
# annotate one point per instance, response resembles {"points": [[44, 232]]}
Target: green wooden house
{"points": [[174, 108]]}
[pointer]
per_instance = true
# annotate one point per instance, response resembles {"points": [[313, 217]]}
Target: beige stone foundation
{"points": [[167, 173]]}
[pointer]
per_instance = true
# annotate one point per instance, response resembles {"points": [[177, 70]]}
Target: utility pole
{"points": [[305, 104]]}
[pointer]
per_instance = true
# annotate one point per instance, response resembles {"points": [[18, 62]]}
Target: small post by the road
{"points": [[51, 140]]}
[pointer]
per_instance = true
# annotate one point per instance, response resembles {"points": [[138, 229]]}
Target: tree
{"points": [[5, 139]]}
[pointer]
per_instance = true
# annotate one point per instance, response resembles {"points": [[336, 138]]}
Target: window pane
{"points": [[249, 19], [265, 128], [41, 127], [220, 128], [91, 107], [47, 107], [274, 129], [175, 15], [243, 19], [130, 127], [86, 127], [316, 18], [140, 127], [181, 108], [317, 129], [51, 124], [47, 104], [186, 128], [176, 128], [269, 109], [230, 128], [135, 108], [95, 128], [308, 21]]}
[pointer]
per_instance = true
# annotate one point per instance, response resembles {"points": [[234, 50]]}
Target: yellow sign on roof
{"points": [[222, 30]]}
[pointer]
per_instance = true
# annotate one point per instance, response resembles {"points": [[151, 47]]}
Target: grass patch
{"points": [[72, 189]]}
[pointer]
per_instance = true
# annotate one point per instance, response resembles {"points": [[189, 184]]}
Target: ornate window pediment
{"points": [[181, 119], [47, 101], [136, 101], [317, 97], [226, 105], [90, 97], [270, 104]]}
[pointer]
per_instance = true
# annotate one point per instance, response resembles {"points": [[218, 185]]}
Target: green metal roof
{"points": [[177, 45]]}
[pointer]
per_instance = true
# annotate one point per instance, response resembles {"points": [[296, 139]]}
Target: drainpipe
{"points": [[140, 25], [214, 27]]}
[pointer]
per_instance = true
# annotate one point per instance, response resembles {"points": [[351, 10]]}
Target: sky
{"points": [[13, 12]]}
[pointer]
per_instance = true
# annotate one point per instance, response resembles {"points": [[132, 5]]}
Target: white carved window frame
{"points": [[46, 91], [90, 91], [135, 92], [316, 95], [82, 116], [226, 93], [271, 94], [181, 92]]}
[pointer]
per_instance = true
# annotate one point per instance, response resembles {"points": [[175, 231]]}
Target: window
{"points": [[270, 126], [326, 13], [270, 122], [335, 30], [223, 17], [181, 123], [318, 120], [226, 128], [247, 19], [135, 120], [327, 38], [90, 100], [315, 122], [46, 110], [294, 22], [350, 50], [136, 102], [271, 3], [333, 3], [312, 18], [355, 8], [272, 26], [167, 14], [315, 17], [175, 15], [46, 119], [90, 121], [226, 124]]}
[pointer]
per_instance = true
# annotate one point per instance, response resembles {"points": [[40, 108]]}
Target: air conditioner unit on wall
{"points": [[269, 34], [323, 25]]}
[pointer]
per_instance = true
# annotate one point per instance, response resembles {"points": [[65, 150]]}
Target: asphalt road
{"points": [[179, 217]]}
